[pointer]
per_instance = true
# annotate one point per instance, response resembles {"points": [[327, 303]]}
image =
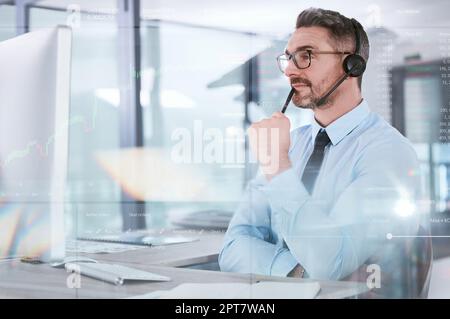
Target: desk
{"points": [[21, 280]]}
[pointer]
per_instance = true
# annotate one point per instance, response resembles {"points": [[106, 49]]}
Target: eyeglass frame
{"points": [[291, 57]]}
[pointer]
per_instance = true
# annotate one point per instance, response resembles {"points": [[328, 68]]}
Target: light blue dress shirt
{"points": [[367, 190]]}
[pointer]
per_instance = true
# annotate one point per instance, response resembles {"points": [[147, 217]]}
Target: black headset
{"points": [[354, 64]]}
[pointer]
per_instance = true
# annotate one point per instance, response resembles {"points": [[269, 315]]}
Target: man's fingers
{"points": [[278, 115]]}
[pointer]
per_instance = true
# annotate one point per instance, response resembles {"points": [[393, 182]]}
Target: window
{"points": [[7, 22]]}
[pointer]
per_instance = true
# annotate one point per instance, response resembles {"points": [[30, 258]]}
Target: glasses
{"points": [[301, 58]]}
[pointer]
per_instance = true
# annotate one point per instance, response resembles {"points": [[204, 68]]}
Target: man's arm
{"points": [[332, 243], [250, 246]]}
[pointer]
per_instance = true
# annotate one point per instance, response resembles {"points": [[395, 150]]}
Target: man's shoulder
{"points": [[377, 129], [377, 136]]}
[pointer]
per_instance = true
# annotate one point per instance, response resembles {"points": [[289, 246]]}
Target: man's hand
{"points": [[297, 272], [269, 142]]}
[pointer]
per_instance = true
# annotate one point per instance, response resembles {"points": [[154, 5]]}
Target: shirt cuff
{"points": [[283, 263], [286, 191]]}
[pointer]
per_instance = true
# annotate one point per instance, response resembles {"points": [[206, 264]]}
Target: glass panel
{"points": [[94, 122], [193, 90], [7, 22]]}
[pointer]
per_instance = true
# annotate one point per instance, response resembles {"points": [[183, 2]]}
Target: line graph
{"points": [[43, 148]]}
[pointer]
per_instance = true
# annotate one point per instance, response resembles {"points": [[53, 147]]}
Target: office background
{"points": [[141, 70]]}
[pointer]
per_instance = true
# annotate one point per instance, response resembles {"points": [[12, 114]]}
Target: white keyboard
{"points": [[116, 274]]}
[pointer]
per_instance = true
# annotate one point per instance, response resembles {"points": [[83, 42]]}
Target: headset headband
{"points": [[357, 40]]}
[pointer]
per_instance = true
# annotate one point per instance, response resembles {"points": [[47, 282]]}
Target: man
{"points": [[332, 196]]}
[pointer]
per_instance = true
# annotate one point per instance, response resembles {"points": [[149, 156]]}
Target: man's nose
{"points": [[291, 69]]}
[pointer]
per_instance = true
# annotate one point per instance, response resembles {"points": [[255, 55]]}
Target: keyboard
{"points": [[116, 274], [207, 219]]}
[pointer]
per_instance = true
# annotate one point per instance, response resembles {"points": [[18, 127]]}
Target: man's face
{"points": [[312, 83]]}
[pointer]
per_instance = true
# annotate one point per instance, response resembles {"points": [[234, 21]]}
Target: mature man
{"points": [[333, 196]]}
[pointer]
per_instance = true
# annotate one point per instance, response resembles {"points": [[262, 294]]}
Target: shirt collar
{"points": [[341, 127]]}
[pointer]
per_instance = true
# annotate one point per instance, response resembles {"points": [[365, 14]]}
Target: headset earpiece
{"points": [[354, 65]]}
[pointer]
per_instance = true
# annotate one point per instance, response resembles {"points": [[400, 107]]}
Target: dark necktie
{"points": [[315, 161]]}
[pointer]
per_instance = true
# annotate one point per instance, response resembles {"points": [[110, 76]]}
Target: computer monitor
{"points": [[34, 125]]}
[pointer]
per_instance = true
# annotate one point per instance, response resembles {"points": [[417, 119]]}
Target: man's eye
{"points": [[304, 56]]}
